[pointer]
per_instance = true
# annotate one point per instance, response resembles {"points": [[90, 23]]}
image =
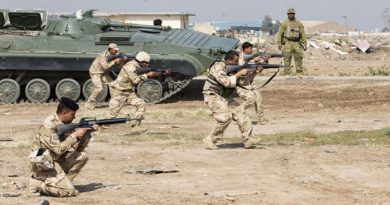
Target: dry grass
{"points": [[373, 137]]}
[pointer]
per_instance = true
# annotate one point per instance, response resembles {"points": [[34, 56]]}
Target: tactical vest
{"points": [[292, 32], [218, 88]]}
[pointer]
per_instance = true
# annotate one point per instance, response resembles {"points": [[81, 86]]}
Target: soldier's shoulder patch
{"points": [[54, 139]]}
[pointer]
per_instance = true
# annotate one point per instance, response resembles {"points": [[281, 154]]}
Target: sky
{"points": [[362, 14]]}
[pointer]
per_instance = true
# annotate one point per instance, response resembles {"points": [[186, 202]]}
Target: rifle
{"points": [[122, 56], [262, 54], [88, 122], [231, 69], [141, 71]]}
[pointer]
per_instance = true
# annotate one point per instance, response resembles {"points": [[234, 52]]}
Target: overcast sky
{"points": [[361, 14]]}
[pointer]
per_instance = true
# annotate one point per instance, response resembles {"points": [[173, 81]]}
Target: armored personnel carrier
{"points": [[46, 58]]}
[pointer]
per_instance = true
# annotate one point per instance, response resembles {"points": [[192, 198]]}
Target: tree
{"points": [[266, 25], [269, 26]]}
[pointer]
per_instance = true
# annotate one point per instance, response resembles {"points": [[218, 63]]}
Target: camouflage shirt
{"points": [[47, 137], [291, 30], [127, 77], [100, 64], [218, 79]]}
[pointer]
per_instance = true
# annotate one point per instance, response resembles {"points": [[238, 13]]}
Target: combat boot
{"points": [[209, 143], [301, 77], [250, 142]]}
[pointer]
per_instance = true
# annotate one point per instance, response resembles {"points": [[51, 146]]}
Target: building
{"points": [[312, 27], [174, 20]]}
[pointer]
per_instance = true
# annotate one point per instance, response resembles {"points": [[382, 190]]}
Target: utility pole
{"points": [[345, 25]]}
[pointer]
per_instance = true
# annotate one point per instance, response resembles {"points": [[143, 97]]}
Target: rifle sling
{"points": [[269, 79]]}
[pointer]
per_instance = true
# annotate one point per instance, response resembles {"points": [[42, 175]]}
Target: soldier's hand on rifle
{"points": [[118, 60], [167, 71], [280, 47], [80, 132], [304, 47], [257, 59], [259, 69], [242, 72], [266, 58], [152, 74], [95, 127]]}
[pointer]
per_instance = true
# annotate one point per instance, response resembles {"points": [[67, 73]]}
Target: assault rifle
{"points": [[88, 123], [141, 71], [262, 54], [232, 69], [122, 56]]}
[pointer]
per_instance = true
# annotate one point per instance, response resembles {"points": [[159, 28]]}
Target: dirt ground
{"points": [[269, 174]]}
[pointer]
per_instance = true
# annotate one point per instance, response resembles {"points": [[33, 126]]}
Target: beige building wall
{"points": [[326, 27]]}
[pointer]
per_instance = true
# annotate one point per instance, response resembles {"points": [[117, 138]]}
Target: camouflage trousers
{"points": [[251, 97], [224, 115], [118, 100], [59, 182], [292, 48], [98, 81]]}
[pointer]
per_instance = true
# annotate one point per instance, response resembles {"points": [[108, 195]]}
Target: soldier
{"points": [[56, 160], [122, 87], [98, 73], [291, 34], [245, 89], [216, 84]]}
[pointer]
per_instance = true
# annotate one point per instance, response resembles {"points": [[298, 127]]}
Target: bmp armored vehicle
{"points": [[43, 58]]}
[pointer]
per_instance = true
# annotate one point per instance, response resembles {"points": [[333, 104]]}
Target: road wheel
{"points": [[37, 90], [150, 90], [87, 90], [9, 91], [69, 88]]}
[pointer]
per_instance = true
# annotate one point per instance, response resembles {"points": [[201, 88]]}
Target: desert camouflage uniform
{"points": [[122, 90], [67, 155], [249, 93], [216, 82], [292, 33], [99, 76]]}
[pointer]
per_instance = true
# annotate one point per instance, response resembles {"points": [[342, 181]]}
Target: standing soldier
{"points": [[56, 160], [291, 34], [216, 84], [98, 73], [122, 87], [245, 89]]}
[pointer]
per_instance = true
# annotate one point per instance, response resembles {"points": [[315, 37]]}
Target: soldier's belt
{"points": [[293, 40]]}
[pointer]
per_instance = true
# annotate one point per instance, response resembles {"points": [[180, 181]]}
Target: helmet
{"points": [[113, 46], [291, 11], [143, 56]]}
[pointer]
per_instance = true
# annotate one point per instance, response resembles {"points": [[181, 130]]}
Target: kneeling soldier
{"points": [[56, 160]]}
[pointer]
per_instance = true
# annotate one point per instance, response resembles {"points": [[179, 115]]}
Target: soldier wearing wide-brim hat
{"points": [[292, 41]]}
